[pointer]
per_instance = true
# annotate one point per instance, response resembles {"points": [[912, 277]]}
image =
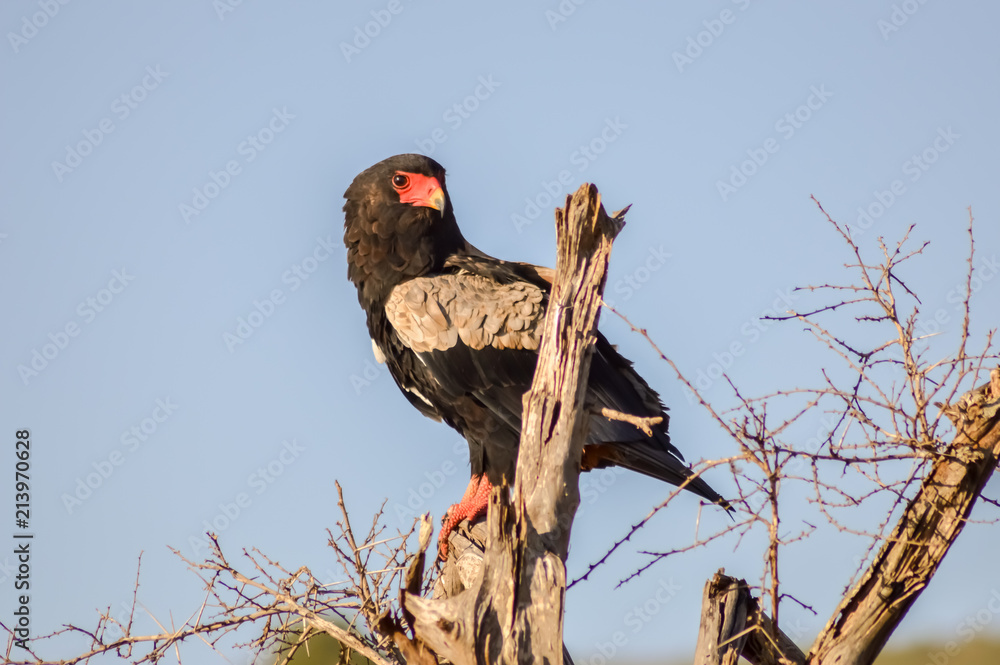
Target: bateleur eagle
{"points": [[459, 332]]}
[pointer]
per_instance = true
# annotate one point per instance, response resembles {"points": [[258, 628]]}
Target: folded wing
{"points": [[477, 330]]}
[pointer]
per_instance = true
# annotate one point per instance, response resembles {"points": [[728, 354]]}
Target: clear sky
{"points": [[170, 224]]}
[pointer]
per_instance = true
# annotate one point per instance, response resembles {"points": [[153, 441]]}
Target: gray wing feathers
{"points": [[433, 313]]}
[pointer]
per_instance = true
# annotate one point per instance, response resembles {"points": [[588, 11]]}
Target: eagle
{"points": [[459, 332]]}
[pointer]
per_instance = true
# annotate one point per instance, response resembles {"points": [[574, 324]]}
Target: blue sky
{"points": [[170, 238]]}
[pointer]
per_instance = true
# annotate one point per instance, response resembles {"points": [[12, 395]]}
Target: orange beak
{"points": [[423, 191], [435, 199]]}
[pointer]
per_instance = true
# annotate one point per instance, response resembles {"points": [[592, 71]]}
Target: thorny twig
{"points": [[879, 429]]}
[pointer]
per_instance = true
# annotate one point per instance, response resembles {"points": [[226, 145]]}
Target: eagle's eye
{"points": [[400, 181]]}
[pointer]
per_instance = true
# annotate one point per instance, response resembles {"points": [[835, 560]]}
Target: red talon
{"points": [[473, 505]]}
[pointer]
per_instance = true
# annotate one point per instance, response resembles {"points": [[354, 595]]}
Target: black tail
{"points": [[648, 458]]}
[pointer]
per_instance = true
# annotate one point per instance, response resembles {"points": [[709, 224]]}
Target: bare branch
{"points": [[933, 520]]}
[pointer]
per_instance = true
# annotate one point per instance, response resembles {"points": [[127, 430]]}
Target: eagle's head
{"points": [[398, 224]]}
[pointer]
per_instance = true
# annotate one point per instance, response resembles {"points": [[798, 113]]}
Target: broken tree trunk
{"points": [[732, 624], [514, 611], [467, 548], [724, 608], [930, 524]]}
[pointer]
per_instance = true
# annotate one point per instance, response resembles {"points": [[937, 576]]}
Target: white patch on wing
{"points": [[379, 356], [418, 394]]}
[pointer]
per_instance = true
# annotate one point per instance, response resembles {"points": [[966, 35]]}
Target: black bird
{"points": [[459, 332]]}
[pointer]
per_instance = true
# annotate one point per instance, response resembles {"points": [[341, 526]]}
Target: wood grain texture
{"points": [[871, 611], [930, 524], [732, 626], [513, 613]]}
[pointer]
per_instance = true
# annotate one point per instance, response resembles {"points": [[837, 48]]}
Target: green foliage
{"points": [[982, 651], [321, 649]]}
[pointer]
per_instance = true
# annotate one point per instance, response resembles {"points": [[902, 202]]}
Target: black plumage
{"points": [[459, 330]]}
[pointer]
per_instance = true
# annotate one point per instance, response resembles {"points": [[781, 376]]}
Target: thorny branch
{"points": [[881, 429], [882, 443], [285, 607]]}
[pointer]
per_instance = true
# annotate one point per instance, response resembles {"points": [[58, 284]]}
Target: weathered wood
{"points": [[930, 524], [724, 608], [513, 613], [732, 625], [467, 548], [768, 644], [902, 569]]}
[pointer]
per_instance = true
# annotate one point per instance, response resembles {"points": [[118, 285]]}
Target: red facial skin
{"points": [[418, 189]]}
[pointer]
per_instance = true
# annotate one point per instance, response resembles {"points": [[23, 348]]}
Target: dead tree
{"points": [[732, 624], [514, 612], [892, 426], [501, 597]]}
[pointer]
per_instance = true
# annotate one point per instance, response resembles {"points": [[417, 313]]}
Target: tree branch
{"points": [[514, 613], [733, 625], [930, 524]]}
